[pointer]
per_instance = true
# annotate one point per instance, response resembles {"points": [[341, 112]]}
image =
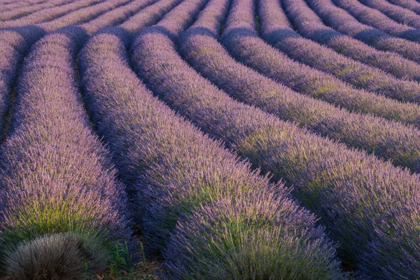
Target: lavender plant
{"points": [[247, 237], [177, 170], [364, 203], [59, 197], [276, 30], [311, 26], [334, 17]]}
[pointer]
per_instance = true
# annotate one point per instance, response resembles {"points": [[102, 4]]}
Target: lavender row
{"points": [[82, 15], [29, 9], [247, 47], [50, 14], [14, 45], [13, 3], [412, 5], [16, 42], [117, 15], [376, 19], [386, 139], [358, 197], [10, 5], [334, 17], [149, 15], [311, 26], [397, 13], [62, 211], [275, 29], [185, 181]]}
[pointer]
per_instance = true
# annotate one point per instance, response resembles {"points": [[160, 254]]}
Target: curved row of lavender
{"points": [[82, 15], [395, 12], [386, 139], [16, 42], [10, 5], [376, 19], [20, 12], [246, 46], [49, 14], [148, 16], [62, 212], [309, 25], [117, 15], [14, 45], [367, 205], [335, 17], [213, 217], [275, 29], [412, 5]]}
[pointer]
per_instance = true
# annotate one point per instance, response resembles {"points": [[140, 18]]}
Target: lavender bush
{"points": [[311, 26], [365, 203], [56, 256], [176, 170], [248, 237], [276, 30], [58, 183], [334, 17]]}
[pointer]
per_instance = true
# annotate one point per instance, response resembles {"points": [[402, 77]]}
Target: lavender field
{"points": [[210, 139]]}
